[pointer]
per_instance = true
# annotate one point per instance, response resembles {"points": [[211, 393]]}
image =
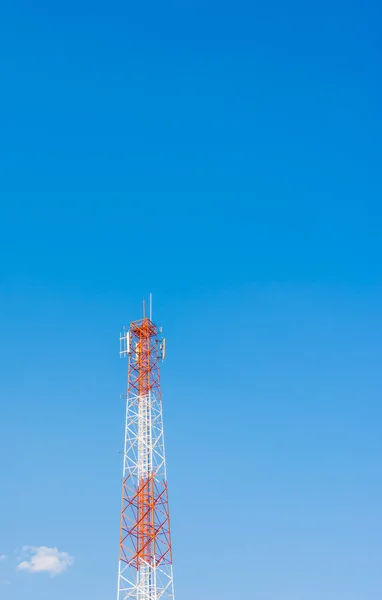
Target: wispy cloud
{"points": [[44, 560], [3, 557], [5, 582]]}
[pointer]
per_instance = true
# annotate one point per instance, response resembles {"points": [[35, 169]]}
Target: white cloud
{"points": [[43, 559], [3, 556]]}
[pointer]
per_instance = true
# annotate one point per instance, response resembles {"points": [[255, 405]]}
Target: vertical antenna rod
{"points": [[145, 557]]}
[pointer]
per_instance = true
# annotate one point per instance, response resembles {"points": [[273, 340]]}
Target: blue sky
{"points": [[225, 157]]}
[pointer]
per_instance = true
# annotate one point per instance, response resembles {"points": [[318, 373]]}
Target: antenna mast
{"points": [[145, 557]]}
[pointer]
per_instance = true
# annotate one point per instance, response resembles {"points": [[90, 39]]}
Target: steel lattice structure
{"points": [[145, 558]]}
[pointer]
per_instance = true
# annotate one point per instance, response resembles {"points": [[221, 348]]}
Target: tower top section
{"points": [[143, 328], [134, 337]]}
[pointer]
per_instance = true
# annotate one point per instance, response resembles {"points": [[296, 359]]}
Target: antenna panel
{"points": [[124, 344]]}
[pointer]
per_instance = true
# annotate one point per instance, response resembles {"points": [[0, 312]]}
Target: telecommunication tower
{"points": [[145, 555]]}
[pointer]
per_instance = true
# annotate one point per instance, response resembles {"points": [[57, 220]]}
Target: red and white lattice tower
{"points": [[145, 557]]}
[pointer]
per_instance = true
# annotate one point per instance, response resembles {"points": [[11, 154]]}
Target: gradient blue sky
{"points": [[227, 158]]}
